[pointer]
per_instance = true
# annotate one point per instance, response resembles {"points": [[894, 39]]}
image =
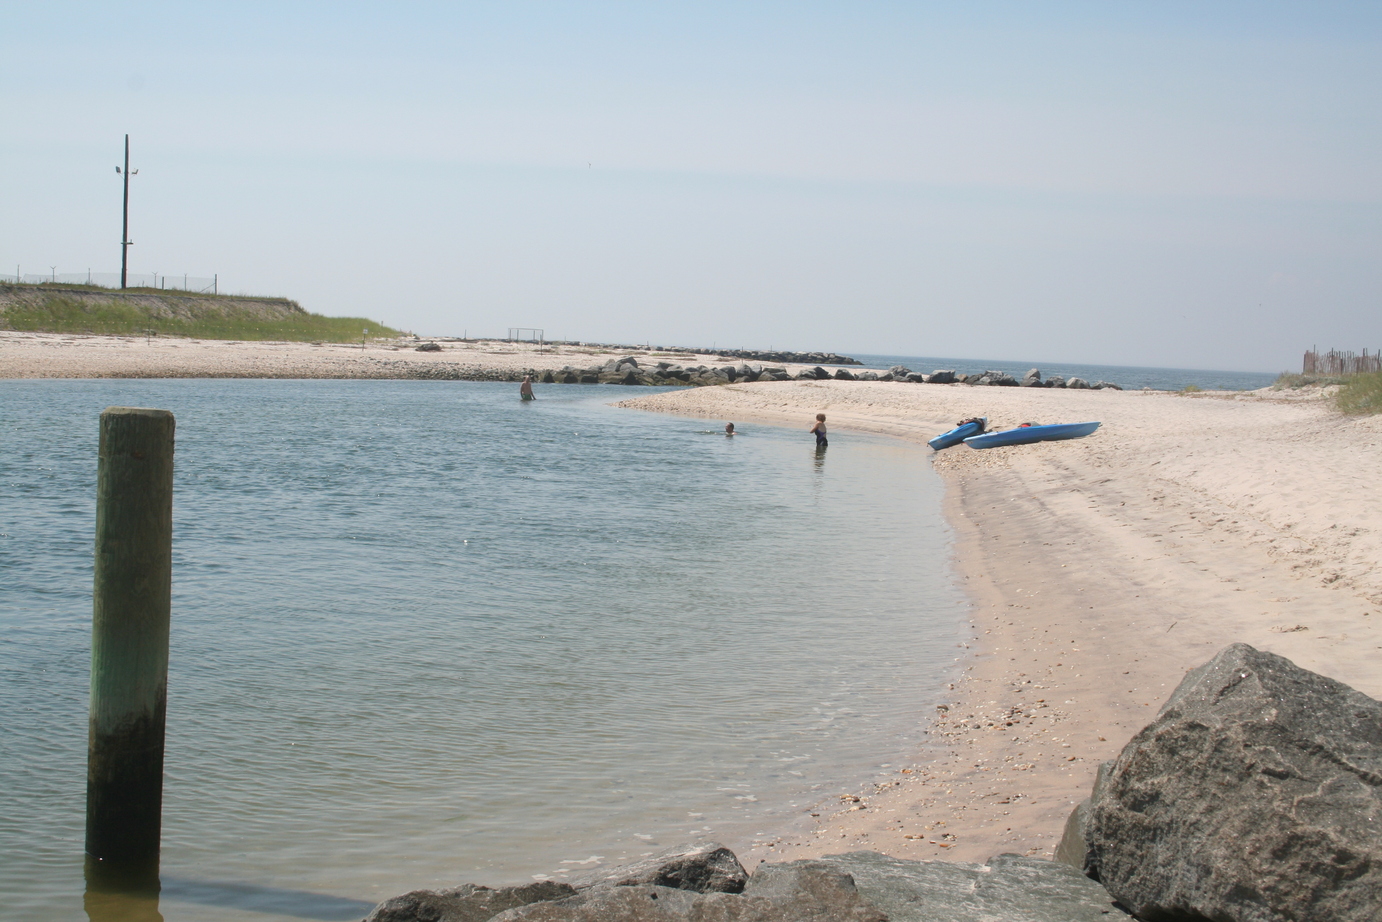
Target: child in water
{"points": [[819, 430]]}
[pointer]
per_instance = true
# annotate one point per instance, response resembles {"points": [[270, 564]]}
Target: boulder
{"points": [[1254, 796], [468, 903], [800, 891], [943, 376], [1008, 888], [917, 378], [428, 347], [548, 377], [1105, 385], [886, 376], [843, 375], [590, 379], [705, 868], [899, 372], [1032, 378], [1055, 381], [1077, 384], [994, 379], [867, 376], [610, 904]]}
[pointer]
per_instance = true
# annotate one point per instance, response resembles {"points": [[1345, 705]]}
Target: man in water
{"points": [[525, 390], [729, 428], [819, 430]]}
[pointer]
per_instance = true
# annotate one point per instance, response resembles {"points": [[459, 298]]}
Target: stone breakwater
{"points": [[629, 370], [1254, 796]]}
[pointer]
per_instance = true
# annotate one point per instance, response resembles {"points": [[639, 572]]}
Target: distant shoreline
{"points": [[86, 355]]}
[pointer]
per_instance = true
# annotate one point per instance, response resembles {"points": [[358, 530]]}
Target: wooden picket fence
{"points": [[1336, 364]]}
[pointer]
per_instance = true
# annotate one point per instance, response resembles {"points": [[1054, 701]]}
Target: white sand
{"points": [[1100, 570], [63, 355]]}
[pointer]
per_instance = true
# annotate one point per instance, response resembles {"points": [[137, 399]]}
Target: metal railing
{"points": [[1336, 364], [199, 284]]}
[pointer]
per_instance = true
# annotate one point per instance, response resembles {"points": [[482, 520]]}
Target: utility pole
{"points": [[125, 227]]}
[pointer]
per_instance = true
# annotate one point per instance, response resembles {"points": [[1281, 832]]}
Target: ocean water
{"points": [[1126, 377], [424, 634]]}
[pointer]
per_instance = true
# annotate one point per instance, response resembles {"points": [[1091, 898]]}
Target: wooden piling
{"points": [[129, 645]]}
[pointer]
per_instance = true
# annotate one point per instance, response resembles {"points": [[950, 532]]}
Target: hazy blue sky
{"points": [[1161, 183]]}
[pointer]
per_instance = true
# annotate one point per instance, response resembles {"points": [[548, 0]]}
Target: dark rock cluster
{"points": [[796, 358], [707, 884]]}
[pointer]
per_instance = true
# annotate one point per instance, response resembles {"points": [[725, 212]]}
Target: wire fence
{"points": [[1336, 364], [194, 283]]}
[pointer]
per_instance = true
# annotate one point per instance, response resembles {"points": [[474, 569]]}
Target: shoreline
{"points": [[25, 355], [1099, 571]]}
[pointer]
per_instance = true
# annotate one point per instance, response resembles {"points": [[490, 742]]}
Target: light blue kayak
{"points": [[958, 434], [1024, 435]]}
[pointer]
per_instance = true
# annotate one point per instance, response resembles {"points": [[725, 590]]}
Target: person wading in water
{"points": [[819, 430]]}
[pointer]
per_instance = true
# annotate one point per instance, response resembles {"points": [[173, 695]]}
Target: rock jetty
{"points": [[1254, 796], [632, 371]]}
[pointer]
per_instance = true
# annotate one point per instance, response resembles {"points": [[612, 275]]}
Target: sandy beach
{"points": [[1099, 570], [76, 355]]}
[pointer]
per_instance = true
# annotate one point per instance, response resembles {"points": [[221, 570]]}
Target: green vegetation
{"points": [[1361, 394], [1288, 379], [1191, 389], [197, 317]]}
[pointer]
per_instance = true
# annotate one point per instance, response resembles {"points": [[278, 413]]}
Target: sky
{"points": [[1191, 185]]}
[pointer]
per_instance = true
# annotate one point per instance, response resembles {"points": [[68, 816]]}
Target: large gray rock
{"points": [[697, 884], [943, 376], [899, 372], [1007, 889], [1254, 796], [468, 903], [843, 375], [801, 891], [611, 904], [1077, 384], [1032, 378], [705, 868]]}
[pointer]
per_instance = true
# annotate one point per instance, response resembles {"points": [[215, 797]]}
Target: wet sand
{"points": [[1100, 571]]}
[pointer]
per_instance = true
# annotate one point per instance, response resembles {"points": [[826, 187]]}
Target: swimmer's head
{"points": [[729, 427], [820, 417]]}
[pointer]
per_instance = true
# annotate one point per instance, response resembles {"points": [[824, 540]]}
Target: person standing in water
{"points": [[525, 390], [729, 428], [819, 430]]}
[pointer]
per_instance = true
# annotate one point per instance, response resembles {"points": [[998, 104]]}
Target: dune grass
{"points": [[222, 320], [1361, 394], [1289, 379]]}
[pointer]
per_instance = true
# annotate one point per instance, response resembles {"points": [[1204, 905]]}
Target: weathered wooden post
{"points": [[129, 647]]}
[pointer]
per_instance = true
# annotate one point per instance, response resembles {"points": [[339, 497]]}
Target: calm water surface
{"points": [[424, 634]]}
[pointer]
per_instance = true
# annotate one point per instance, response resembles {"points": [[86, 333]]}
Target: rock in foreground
{"points": [[1255, 796], [701, 884]]}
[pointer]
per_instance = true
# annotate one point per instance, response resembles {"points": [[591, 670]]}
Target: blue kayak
{"points": [[1026, 434], [958, 434]]}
